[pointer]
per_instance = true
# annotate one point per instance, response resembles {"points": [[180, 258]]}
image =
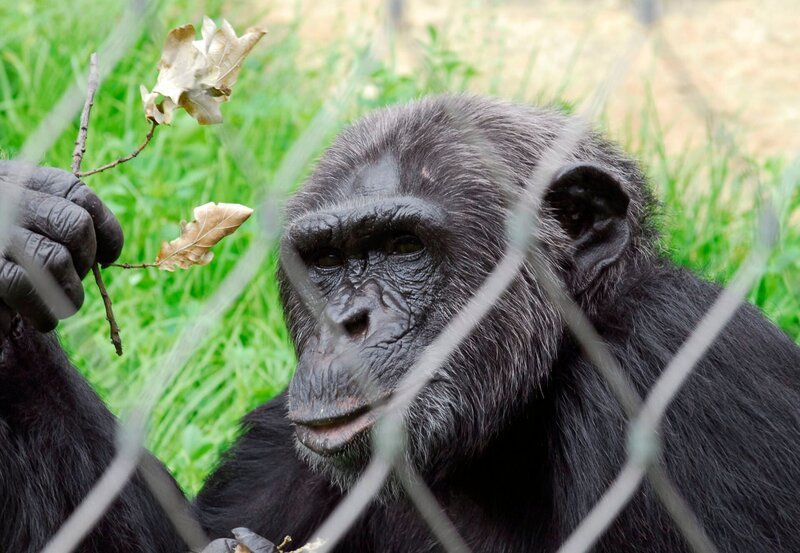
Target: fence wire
{"points": [[645, 415]]}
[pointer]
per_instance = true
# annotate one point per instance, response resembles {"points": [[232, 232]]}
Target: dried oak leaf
{"points": [[310, 546], [212, 222], [198, 75]]}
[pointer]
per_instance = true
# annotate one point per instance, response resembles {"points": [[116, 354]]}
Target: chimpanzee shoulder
{"points": [[729, 438]]}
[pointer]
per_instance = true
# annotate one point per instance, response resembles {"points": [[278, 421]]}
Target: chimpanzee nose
{"points": [[356, 313], [356, 323]]}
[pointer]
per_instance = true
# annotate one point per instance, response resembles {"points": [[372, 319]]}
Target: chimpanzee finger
{"points": [[106, 227], [17, 291], [220, 545], [63, 222], [253, 541], [65, 185], [49, 268]]}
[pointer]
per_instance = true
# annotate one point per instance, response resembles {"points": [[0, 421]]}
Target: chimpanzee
{"points": [[517, 435]]}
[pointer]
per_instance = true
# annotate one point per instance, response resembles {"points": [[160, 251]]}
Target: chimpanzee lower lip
{"points": [[327, 429], [330, 437]]}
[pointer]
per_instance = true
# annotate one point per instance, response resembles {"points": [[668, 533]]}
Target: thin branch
{"points": [[112, 321], [83, 131], [77, 158], [122, 160], [131, 265]]}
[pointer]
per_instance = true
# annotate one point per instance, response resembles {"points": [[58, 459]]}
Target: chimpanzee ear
{"points": [[591, 205]]}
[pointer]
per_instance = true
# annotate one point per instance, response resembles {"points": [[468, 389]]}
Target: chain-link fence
{"points": [[645, 414]]}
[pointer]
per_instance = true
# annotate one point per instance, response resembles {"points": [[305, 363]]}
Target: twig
{"points": [[122, 160], [77, 158], [131, 265], [112, 321], [83, 131]]}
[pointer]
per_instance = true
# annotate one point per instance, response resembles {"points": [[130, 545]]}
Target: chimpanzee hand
{"points": [[57, 224], [245, 537]]}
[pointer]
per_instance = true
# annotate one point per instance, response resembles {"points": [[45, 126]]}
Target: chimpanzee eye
{"points": [[328, 258], [403, 245]]}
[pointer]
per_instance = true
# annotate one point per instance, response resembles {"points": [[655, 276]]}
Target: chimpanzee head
{"points": [[399, 225]]}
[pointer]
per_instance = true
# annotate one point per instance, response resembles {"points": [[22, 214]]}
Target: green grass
{"points": [[709, 198]]}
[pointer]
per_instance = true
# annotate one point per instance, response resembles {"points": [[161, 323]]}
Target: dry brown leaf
{"points": [[198, 75], [310, 546], [212, 222]]}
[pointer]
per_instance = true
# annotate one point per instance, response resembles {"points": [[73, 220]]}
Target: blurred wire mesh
{"points": [[644, 414]]}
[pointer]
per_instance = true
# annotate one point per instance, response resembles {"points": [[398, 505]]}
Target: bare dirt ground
{"points": [[742, 56]]}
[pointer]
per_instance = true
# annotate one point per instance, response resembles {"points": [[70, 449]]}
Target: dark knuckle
{"points": [[60, 215], [58, 259], [48, 257], [33, 246], [48, 209], [81, 224], [76, 190], [50, 181], [59, 182]]}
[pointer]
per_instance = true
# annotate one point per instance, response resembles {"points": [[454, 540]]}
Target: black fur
{"points": [[518, 436], [56, 438]]}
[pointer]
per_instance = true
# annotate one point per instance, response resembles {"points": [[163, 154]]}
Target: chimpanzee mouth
{"points": [[330, 434]]}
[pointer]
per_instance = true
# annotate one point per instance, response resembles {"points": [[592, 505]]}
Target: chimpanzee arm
{"points": [[56, 440]]}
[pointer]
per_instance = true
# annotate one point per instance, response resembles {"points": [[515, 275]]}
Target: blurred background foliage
{"points": [[710, 188]]}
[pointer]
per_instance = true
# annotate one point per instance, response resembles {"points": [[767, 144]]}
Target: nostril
{"points": [[357, 325]]}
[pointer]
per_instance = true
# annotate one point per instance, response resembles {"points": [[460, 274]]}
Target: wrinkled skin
{"points": [[378, 289], [517, 435], [61, 227]]}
